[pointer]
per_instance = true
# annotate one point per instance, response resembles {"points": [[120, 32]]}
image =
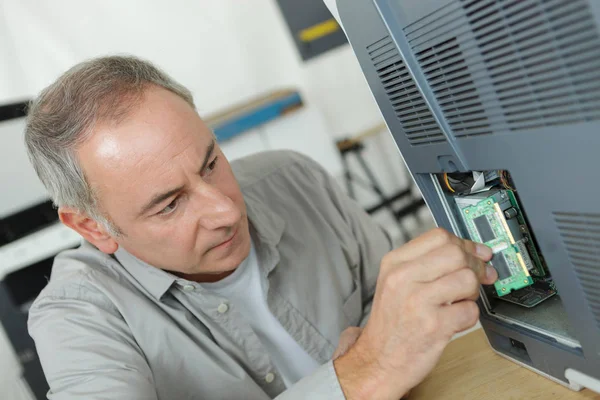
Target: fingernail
{"points": [[483, 251], [490, 274]]}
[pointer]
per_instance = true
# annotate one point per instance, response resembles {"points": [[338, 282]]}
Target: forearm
{"points": [[361, 377]]}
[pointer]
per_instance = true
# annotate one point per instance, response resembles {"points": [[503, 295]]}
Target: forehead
{"points": [[161, 135]]}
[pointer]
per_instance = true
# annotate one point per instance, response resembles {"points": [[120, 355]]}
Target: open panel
{"points": [[486, 209]]}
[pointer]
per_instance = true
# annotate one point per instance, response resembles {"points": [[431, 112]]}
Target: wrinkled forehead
{"points": [[159, 138]]}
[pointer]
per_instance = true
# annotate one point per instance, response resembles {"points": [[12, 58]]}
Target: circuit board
{"points": [[487, 224], [527, 247]]}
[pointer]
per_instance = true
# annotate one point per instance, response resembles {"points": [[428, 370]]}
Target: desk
{"points": [[470, 370]]}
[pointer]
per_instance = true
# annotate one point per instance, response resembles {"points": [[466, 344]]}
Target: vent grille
{"points": [[581, 236], [410, 108], [511, 65], [454, 90]]}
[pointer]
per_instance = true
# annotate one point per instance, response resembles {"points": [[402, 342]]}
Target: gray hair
{"points": [[65, 113]]}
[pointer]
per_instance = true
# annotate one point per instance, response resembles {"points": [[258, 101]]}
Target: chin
{"points": [[241, 252], [235, 258]]}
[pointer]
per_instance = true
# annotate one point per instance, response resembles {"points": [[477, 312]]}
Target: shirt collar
{"points": [[156, 281], [267, 227]]}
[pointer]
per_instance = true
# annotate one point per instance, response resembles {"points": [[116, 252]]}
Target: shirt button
{"points": [[188, 287], [270, 377], [223, 308]]}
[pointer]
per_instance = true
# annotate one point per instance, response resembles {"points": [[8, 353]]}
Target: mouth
{"points": [[227, 242]]}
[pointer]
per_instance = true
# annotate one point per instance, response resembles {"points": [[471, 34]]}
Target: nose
{"points": [[216, 210]]}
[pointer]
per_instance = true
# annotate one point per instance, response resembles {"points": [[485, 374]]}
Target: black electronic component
{"points": [[545, 284], [510, 213], [501, 265], [532, 295], [486, 233]]}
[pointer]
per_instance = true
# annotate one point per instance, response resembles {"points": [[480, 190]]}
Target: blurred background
{"points": [[265, 74]]}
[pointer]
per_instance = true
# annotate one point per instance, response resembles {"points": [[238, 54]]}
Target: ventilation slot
{"points": [[581, 236], [456, 93], [500, 66], [411, 110]]}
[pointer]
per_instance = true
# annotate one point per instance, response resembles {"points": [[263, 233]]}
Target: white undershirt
{"points": [[246, 290]]}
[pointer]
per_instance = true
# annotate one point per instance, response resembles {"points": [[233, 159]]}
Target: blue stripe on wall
{"points": [[254, 118]]}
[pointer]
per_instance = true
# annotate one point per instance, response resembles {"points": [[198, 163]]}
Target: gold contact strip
{"points": [[503, 220], [522, 262], [510, 236]]}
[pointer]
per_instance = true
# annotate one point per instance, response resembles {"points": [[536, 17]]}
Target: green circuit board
{"points": [[539, 269], [486, 224]]}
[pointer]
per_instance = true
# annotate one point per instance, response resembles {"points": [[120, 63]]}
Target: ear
{"points": [[90, 229]]}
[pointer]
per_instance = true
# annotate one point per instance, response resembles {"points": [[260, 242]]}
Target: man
{"points": [[202, 280]]}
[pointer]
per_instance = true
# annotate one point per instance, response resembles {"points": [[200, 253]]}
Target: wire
{"points": [[448, 183], [505, 180]]}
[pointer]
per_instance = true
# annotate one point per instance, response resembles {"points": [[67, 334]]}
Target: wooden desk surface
{"points": [[470, 370]]}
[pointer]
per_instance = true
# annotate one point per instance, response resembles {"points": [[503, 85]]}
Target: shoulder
{"points": [[267, 166], [80, 274], [77, 296]]}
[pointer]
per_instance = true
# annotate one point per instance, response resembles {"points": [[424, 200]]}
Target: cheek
{"points": [[173, 236], [228, 185]]}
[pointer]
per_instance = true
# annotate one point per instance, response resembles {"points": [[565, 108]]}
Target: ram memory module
{"points": [[487, 224]]}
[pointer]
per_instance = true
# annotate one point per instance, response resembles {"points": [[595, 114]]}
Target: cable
{"points": [[448, 183], [505, 179]]}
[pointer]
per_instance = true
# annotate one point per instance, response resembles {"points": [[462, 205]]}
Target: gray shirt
{"points": [[114, 327]]}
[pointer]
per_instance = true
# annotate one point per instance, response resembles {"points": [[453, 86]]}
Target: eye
{"points": [[211, 166], [170, 208]]}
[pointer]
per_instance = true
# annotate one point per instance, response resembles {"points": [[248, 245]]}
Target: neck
{"points": [[205, 278]]}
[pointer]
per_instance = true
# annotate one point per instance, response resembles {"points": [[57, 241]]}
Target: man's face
{"points": [[163, 181]]}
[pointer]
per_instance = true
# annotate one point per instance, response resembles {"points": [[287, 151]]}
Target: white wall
{"points": [[333, 81], [19, 185], [225, 51], [189, 39]]}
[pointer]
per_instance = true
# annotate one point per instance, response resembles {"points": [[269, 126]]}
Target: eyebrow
{"points": [[160, 197], [209, 151]]}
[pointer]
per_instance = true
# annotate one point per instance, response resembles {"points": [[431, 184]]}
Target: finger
{"points": [[459, 285], [443, 261], [491, 275], [479, 250], [460, 316], [349, 335], [347, 340], [423, 244], [433, 239]]}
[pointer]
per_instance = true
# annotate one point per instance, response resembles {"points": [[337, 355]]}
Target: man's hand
{"points": [[426, 293], [347, 339]]}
